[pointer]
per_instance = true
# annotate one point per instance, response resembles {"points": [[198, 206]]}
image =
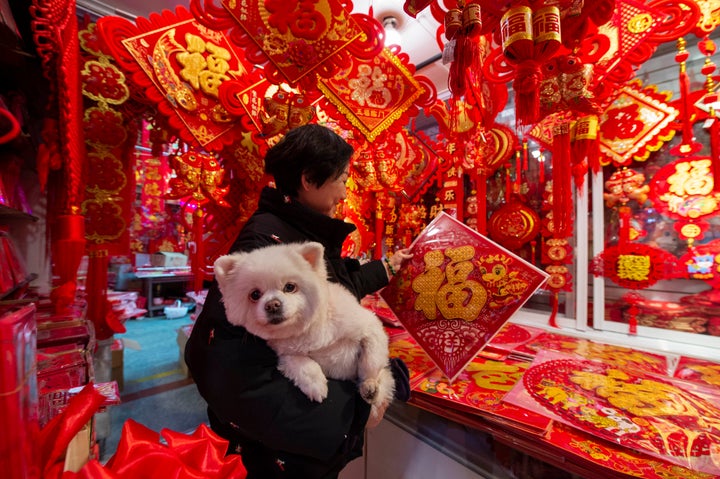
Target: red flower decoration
{"points": [[104, 127], [103, 81], [103, 172]]}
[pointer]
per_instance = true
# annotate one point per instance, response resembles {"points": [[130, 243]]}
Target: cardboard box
{"points": [[164, 259]]}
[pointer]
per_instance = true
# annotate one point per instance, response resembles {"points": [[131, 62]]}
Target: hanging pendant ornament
{"points": [[623, 186], [462, 29], [529, 38], [688, 146], [712, 100], [198, 181]]}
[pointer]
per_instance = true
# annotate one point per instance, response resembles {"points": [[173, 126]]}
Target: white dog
{"points": [[317, 328]]}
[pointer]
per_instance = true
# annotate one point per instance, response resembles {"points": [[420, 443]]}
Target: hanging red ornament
{"points": [[563, 208], [529, 38], [688, 146], [514, 225], [711, 99]]}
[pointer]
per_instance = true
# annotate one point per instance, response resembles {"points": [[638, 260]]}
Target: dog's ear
{"points": [[224, 266], [313, 252]]}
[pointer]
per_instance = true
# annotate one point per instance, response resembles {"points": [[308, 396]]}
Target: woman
{"points": [[277, 429]]}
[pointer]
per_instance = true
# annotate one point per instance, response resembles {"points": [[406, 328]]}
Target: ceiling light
{"points": [[392, 35]]}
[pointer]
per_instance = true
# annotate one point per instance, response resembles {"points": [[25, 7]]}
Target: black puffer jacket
{"points": [[280, 432]]}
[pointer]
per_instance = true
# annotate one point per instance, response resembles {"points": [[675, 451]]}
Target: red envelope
{"points": [[457, 291]]}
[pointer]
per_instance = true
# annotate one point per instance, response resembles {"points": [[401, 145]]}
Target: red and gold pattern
{"points": [[294, 40], [620, 356], [685, 191], [480, 388], [530, 37], [698, 370], [403, 346], [612, 457], [179, 65], [457, 291], [635, 265], [199, 178], [514, 225], [154, 182], [374, 95], [629, 38], [110, 187], [637, 122], [656, 415]]}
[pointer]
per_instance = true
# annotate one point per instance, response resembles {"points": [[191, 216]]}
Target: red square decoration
{"points": [[373, 94], [457, 291]]}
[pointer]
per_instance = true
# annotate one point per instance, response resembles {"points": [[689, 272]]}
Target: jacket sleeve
{"points": [[367, 278], [236, 373]]}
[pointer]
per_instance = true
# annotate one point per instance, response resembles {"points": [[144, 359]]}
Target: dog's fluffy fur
{"points": [[317, 328]]}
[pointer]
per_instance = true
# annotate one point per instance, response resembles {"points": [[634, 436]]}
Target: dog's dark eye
{"points": [[290, 288], [255, 295]]}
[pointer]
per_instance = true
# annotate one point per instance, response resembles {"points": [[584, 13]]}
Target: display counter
{"points": [[152, 287], [491, 400]]}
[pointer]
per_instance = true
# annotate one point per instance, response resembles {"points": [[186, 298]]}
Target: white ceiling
{"points": [[419, 34]]}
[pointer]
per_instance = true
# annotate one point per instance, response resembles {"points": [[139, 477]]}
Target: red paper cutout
{"points": [[637, 122], [685, 191], [179, 65], [457, 291], [294, 39], [374, 95]]}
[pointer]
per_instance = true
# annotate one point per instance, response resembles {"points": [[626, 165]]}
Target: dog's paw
{"points": [[315, 390], [369, 390]]}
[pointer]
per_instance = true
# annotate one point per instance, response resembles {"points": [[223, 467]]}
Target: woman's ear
{"points": [[305, 184]]}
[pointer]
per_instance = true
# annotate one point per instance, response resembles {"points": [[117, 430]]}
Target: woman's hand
{"points": [[376, 416], [394, 263]]}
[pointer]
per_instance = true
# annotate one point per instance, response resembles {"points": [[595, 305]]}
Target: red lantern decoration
{"points": [[514, 225]]}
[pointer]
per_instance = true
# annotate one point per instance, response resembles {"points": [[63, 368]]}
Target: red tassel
{"points": [[555, 304], [632, 320], [527, 99], [198, 264], [688, 145], [482, 202], [96, 288], [508, 182], [624, 225], [68, 250], [562, 182], [715, 151]]}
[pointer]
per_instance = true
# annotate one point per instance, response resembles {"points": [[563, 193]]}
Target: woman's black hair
{"points": [[311, 149]]}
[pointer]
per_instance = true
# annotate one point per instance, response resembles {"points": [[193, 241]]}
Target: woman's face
{"points": [[324, 198]]}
